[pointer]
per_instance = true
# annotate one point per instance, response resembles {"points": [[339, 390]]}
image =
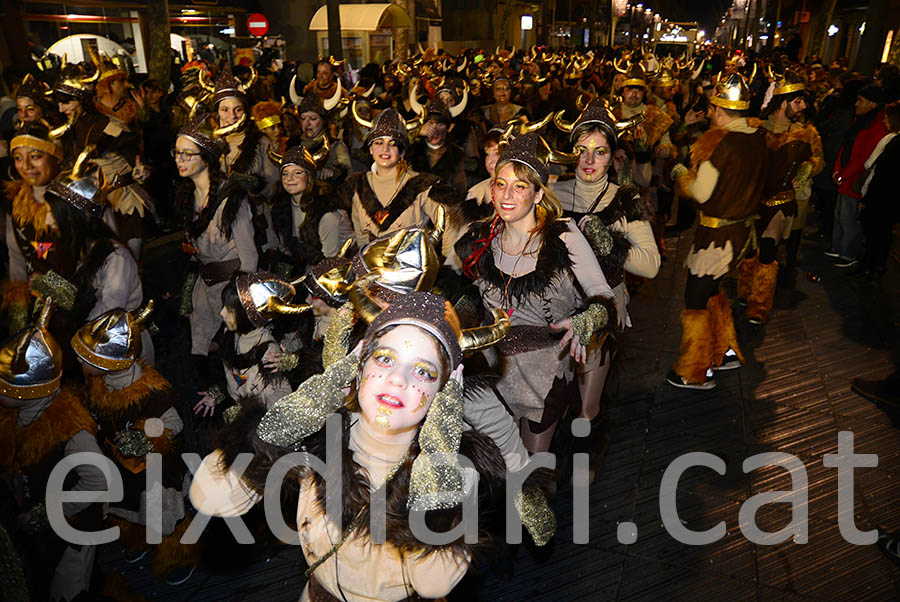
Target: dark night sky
{"points": [[706, 12]]}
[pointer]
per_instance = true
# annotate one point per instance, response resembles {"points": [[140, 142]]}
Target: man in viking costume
{"points": [[42, 422], [432, 152], [796, 154], [725, 233]]}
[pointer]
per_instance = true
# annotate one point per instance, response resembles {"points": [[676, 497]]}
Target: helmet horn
{"points": [[474, 339]]}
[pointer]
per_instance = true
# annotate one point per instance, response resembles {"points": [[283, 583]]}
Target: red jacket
{"points": [[863, 145]]}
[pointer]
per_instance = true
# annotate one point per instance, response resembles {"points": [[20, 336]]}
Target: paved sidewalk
{"points": [[792, 396]]}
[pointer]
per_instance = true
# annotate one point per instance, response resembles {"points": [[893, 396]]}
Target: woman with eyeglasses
{"points": [[219, 236]]}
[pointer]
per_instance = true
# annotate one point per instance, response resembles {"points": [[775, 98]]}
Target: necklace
{"points": [[512, 273]]}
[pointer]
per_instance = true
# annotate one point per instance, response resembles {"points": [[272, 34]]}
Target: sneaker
{"points": [[846, 263], [831, 253], [132, 556], [729, 362], [181, 574], [676, 380]]}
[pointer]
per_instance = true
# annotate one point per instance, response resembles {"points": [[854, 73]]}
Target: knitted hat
{"points": [[299, 156], [875, 93], [391, 124], [200, 133]]}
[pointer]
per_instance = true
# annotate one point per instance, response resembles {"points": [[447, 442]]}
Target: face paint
{"points": [[383, 419]]}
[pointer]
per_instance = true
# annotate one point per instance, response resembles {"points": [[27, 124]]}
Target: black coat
{"points": [[882, 200]]}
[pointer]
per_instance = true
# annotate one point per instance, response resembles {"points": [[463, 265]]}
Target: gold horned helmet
{"points": [[31, 362], [265, 295], [112, 341], [733, 91]]}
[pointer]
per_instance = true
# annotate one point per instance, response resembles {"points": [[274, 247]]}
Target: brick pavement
{"points": [[792, 396]]}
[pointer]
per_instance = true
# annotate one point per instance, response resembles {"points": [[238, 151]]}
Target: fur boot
{"points": [[745, 270], [759, 303], [722, 322], [696, 354]]}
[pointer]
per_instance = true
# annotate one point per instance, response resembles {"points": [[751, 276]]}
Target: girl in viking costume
{"points": [[541, 270], [330, 155], [219, 235], [405, 407], [31, 235], [432, 152], [390, 196], [307, 226], [134, 406], [34, 102], [246, 146], [116, 150], [247, 339], [41, 422], [112, 96], [614, 219]]}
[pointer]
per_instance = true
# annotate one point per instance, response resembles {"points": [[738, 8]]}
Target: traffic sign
{"points": [[257, 24]]}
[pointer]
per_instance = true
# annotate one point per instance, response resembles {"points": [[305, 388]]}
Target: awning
{"points": [[363, 17]]}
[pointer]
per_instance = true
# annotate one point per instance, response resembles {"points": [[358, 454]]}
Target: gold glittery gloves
{"points": [[585, 324], [337, 335], [53, 285], [301, 413], [803, 173], [187, 294], [537, 516], [436, 479], [597, 235], [18, 316], [287, 361], [134, 443]]}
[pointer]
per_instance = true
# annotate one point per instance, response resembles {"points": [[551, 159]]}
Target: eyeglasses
{"points": [[183, 155]]}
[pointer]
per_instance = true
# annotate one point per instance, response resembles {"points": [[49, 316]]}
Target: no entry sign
{"points": [[257, 24]]}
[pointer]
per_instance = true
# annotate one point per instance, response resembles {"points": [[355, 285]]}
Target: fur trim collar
{"points": [[24, 447], [553, 259], [25, 209], [384, 217], [110, 405]]}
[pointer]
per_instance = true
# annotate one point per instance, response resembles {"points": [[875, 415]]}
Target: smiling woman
{"points": [[538, 267]]}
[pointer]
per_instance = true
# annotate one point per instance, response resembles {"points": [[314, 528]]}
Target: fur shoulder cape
{"points": [[553, 259], [25, 209], [384, 217], [240, 437], [21, 448], [151, 390]]}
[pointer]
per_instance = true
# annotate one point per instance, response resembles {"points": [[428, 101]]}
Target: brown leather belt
{"points": [[523, 338], [220, 271]]}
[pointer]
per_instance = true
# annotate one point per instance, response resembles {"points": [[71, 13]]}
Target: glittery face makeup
{"points": [[593, 157], [399, 381]]}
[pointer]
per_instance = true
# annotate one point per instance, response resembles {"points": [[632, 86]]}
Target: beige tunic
{"points": [[386, 189], [526, 378], [249, 382], [212, 247]]}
